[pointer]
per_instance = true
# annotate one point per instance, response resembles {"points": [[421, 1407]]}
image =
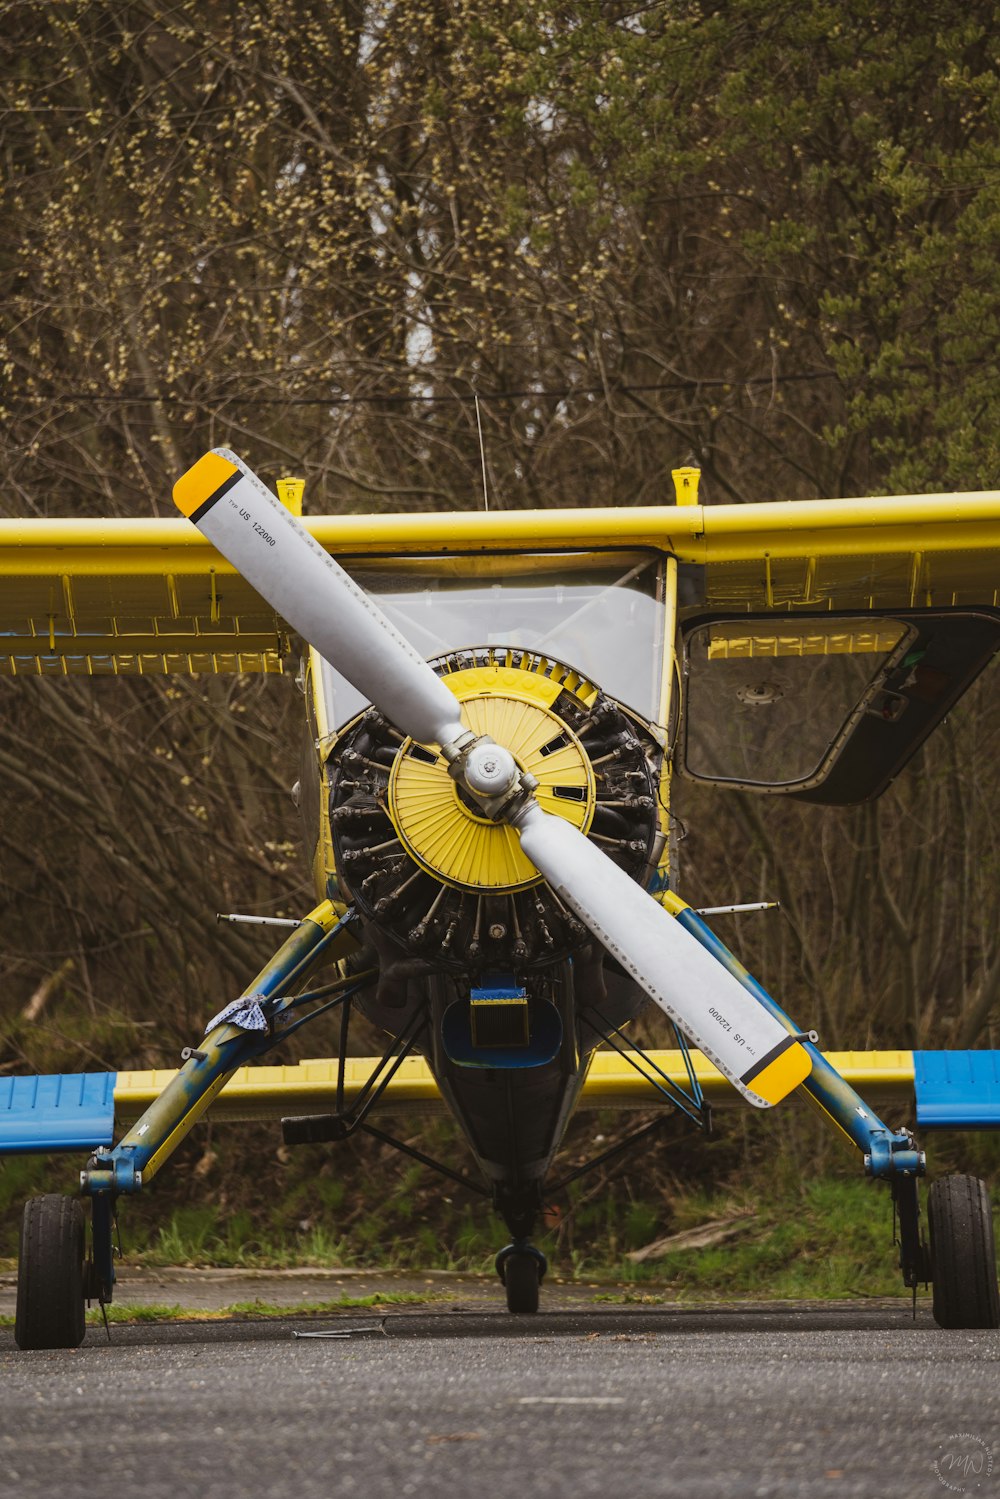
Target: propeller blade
{"points": [[266, 544], [278, 557], [744, 1040]]}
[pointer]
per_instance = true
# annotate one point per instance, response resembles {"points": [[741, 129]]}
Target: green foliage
{"points": [[570, 197], [640, 1224], [830, 1238], [201, 1235], [23, 1176]]}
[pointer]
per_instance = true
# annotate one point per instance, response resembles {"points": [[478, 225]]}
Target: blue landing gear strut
{"points": [[889, 1155], [263, 1016]]}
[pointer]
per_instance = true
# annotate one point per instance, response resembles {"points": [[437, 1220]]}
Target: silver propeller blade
{"points": [[711, 1007], [265, 543], [268, 547]]}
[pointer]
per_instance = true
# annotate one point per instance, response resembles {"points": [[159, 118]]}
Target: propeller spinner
{"points": [[303, 583]]}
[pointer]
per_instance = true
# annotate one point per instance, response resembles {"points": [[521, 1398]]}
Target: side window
{"points": [[768, 702]]}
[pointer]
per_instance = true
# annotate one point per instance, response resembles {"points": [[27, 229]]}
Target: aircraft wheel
{"points": [[50, 1309], [521, 1278], [963, 1255]]}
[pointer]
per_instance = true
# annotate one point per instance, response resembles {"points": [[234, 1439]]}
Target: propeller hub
{"points": [[489, 769]]}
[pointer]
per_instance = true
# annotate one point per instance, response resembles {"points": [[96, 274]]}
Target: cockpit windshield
{"points": [[599, 612]]}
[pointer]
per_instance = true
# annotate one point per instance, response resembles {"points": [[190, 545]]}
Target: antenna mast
{"points": [[482, 453]]}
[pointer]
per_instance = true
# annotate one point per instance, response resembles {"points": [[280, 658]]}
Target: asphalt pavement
{"points": [[589, 1400]]}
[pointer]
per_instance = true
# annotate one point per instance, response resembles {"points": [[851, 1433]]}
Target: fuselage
{"points": [[566, 658]]}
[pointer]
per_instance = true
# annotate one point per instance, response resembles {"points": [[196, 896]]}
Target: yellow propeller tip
{"points": [[201, 482]]}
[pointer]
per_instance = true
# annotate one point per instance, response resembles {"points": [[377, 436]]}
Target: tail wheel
{"points": [[50, 1302], [521, 1278], [963, 1255]]}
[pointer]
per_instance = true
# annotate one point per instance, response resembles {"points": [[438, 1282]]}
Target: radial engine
{"points": [[443, 887]]}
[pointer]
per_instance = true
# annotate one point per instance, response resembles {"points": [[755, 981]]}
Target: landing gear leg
{"points": [[520, 1265], [963, 1255], [50, 1289]]}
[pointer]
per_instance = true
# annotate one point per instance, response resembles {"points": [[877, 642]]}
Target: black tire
{"points": [[50, 1309], [963, 1255], [521, 1278]]}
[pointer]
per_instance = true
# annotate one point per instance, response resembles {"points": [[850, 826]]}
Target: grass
{"points": [[830, 1239], [827, 1234], [243, 1310], [258, 1308], [603, 1231], [201, 1236], [827, 1238]]}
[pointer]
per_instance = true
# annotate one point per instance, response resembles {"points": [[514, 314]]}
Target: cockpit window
{"points": [[599, 612], [770, 702]]}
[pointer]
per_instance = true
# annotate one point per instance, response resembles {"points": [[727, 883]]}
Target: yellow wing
{"points": [[612, 1082], [120, 597], [909, 551], [97, 597]]}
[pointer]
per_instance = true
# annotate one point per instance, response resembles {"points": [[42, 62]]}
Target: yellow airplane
{"points": [[497, 702]]}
